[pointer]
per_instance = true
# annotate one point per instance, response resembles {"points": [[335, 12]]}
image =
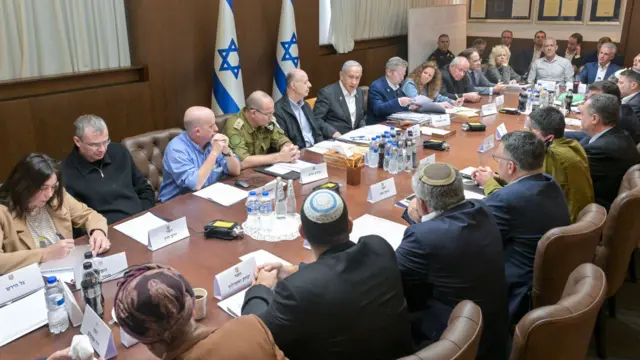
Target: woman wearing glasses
{"points": [[37, 216]]}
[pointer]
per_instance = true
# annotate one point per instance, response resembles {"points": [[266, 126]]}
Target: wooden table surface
{"points": [[200, 259]]}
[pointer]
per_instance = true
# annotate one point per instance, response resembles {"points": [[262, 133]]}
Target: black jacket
{"points": [[114, 187], [289, 123], [348, 304], [610, 156], [331, 108], [634, 103], [453, 89]]}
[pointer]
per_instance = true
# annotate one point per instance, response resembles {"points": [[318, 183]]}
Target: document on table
{"points": [[223, 194], [472, 195], [461, 109], [24, 315], [263, 257], [322, 147], [295, 166], [138, 228], [414, 117], [373, 225], [277, 169], [364, 134], [62, 267]]}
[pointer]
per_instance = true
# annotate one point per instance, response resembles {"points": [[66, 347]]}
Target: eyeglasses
{"points": [[498, 157], [269, 114], [98, 145], [52, 187]]}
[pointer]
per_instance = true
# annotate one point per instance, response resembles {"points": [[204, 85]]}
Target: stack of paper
{"points": [[22, 317], [373, 225], [425, 130], [414, 117], [461, 109], [364, 134], [63, 268], [138, 228], [472, 195], [294, 166], [223, 194], [322, 147]]}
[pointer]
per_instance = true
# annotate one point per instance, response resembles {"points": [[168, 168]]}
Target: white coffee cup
{"points": [[201, 303]]}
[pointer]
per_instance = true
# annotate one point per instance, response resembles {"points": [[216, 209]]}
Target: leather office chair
{"points": [[365, 91], [561, 250], [630, 180], [221, 120], [563, 330], [312, 102], [147, 151], [461, 338]]}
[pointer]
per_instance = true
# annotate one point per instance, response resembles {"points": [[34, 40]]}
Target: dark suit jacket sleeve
{"points": [[446, 89], [323, 128], [414, 269], [321, 108], [142, 187], [363, 106], [284, 125], [498, 208], [584, 74], [382, 107]]}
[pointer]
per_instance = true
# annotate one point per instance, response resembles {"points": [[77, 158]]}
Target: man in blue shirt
{"points": [[197, 157]]}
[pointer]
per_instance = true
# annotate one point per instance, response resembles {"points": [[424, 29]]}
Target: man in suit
{"points": [[629, 84], [523, 62], [479, 82], [593, 55], [452, 251], [385, 95], [610, 150], [603, 68], [295, 117], [347, 304], [455, 83], [341, 105], [526, 208], [573, 51]]}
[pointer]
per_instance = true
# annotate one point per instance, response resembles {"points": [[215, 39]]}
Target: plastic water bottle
{"points": [[291, 199], [544, 98], [387, 155], [252, 210], [568, 100], [92, 289], [552, 98], [536, 101], [373, 145], [375, 158], [266, 210], [281, 205], [393, 159], [56, 311]]}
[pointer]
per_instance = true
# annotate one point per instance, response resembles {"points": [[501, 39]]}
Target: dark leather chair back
{"points": [[561, 250], [461, 338], [147, 151], [563, 331], [621, 231], [365, 91], [221, 120]]}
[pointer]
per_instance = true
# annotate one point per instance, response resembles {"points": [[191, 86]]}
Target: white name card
{"points": [[440, 120], [499, 100], [547, 84], [501, 131], [111, 268], [70, 303], [168, 234], [489, 109], [234, 279], [415, 130], [313, 173], [582, 89], [127, 340], [428, 160], [20, 282], [487, 144], [382, 190], [99, 334]]}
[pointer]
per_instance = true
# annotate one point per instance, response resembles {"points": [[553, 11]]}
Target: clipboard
{"points": [[291, 175]]}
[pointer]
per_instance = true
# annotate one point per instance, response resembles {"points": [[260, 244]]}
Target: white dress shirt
{"points": [[394, 87], [602, 71], [350, 99]]}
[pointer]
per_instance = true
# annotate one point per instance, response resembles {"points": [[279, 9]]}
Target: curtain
{"points": [[370, 19], [49, 37]]}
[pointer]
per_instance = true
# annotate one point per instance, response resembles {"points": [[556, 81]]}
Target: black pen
{"points": [[60, 236]]}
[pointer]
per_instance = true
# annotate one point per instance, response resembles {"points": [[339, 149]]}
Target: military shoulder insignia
{"points": [[270, 127], [238, 124]]}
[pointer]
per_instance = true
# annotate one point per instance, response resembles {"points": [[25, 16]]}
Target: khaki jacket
{"points": [[17, 247]]}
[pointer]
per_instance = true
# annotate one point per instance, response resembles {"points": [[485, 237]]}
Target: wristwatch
{"points": [[227, 155]]}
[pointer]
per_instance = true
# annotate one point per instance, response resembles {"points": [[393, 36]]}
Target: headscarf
{"points": [[153, 303]]}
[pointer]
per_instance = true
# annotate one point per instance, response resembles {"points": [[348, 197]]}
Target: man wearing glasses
{"points": [[103, 175], [254, 134], [530, 203]]}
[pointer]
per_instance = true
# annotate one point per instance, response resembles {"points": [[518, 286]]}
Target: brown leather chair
{"points": [[561, 250], [147, 151], [365, 90], [221, 120], [312, 102], [563, 331], [461, 338]]}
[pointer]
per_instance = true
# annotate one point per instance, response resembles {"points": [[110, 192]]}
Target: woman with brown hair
{"points": [[426, 80], [37, 216]]}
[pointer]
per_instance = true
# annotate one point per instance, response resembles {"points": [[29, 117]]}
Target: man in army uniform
{"points": [[442, 55], [254, 131]]}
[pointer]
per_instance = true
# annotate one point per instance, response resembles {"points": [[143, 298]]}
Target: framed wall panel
{"points": [[504, 11], [561, 11]]}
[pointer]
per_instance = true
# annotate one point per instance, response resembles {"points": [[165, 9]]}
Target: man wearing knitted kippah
{"points": [[348, 304], [452, 252]]}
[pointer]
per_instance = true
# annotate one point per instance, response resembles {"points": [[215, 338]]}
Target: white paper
{"points": [[365, 133], [263, 257], [459, 109], [313, 173], [344, 148], [168, 234], [488, 109], [469, 170], [572, 122], [24, 315], [472, 195], [20, 282], [296, 165], [112, 266], [582, 89], [499, 100], [428, 160], [373, 225], [429, 131], [277, 169], [233, 304], [501, 131], [382, 190], [223, 194], [99, 333], [234, 279], [65, 264], [138, 228], [418, 118]]}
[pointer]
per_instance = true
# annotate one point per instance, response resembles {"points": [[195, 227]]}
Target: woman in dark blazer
{"points": [[499, 69]]}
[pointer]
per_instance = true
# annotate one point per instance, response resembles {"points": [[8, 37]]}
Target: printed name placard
{"points": [[313, 173], [548, 84], [428, 160], [111, 268], [382, 190], [127, 340], [168, 234], [487, 144], [99, 334], [234, 279], [440, 120], [499, 100], [415, 130], [489, 109], [20, 282], [501, 131]]}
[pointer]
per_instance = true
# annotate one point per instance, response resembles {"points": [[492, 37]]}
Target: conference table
{"points": [[200, 259]]}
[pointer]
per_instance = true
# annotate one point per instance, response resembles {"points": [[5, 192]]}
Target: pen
{"points": [[60, 236], [356, 137]]}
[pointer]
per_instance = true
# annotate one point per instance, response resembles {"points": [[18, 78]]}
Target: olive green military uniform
{"points": [[246, 140]]}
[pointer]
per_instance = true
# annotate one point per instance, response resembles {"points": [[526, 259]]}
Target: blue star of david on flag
{"points": [[287, 45], [224, 54]]}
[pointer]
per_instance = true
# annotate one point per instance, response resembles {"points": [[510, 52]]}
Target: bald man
{"points": [[296, 117], [198, 157]]}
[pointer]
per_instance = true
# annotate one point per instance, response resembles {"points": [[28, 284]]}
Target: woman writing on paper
{"points": [[499, 69], [426, 80], [37, 216]]}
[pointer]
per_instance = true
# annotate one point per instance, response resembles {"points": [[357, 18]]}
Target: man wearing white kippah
{"points": [[348, 304]]}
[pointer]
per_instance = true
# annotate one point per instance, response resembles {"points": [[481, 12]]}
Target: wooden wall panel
{"points": [[17, 134]]}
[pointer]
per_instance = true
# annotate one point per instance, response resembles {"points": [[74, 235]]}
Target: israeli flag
{"points": [[286, 50], [228, 93]]}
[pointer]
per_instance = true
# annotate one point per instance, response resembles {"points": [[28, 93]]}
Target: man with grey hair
{"points": [[385, 94], [295, 117], [451, 251], [551, 67], [341, 105], [603, 68], [610, 150], [530, 204], [455, 84], [102, 174]]}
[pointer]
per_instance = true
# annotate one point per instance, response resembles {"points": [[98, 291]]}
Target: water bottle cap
{"points": [[51, 280], [265, 193], [88, 255], [375, 150], [252, 193], [395, 144], [386, 133], [373, 138], [388, 141], [87, 265]]}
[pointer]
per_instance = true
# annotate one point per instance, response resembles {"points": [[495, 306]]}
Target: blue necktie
{"points": [[473, 78]]}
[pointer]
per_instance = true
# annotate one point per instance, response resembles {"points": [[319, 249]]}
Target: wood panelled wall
{"points": [[176, 41]]}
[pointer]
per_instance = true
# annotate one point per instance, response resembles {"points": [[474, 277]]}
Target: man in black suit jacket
{"points": [[524, 59], [629, 83], [348, 304], [341, 105], [610, 150], [455, 82], [295, 116]]}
